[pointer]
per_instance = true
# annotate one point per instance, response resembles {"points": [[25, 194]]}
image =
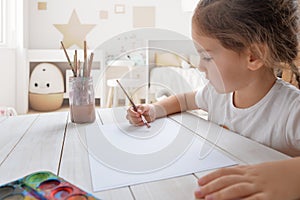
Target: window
{"points": [[2, 22], [8, 22]]}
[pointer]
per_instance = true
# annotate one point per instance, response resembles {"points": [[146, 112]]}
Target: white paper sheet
{"points": [[122, 155]]}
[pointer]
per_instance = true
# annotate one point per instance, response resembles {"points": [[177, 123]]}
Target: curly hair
{"points": [[269, 28]]}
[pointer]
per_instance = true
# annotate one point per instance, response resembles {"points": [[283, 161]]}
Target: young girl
{"points": [[241, 43]]}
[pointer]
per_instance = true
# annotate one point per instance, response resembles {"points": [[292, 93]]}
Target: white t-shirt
{"points": [[273, 121]]}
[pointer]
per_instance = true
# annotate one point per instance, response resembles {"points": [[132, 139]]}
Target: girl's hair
{"points": [[268, 27]]}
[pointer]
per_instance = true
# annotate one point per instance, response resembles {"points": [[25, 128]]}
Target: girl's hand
{"points": [[147, 110], [273, 180]]}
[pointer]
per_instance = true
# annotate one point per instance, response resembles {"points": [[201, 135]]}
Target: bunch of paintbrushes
{"points": [[80, 70]]}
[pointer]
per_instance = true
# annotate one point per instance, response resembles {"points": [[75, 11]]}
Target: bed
{"points": [[172, 73], [168, 80], [167, 65]]}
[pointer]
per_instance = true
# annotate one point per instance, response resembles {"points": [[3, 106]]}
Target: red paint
{"points": [[49, 184], [61, 192]]}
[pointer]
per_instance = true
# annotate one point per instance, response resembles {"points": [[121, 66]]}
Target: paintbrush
{"points": [[69, 61], [90, 64], [75, 62], [85, 59], [133, 105]]}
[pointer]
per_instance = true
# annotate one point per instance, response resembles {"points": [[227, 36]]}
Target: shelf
{"points": [[53, 55], [59, 59]]}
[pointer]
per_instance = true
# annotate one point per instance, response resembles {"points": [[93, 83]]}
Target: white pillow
{"points": [[167, 59], [195, 60], [185, 65]]}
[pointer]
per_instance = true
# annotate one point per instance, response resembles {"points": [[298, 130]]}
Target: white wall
{"points": [[43, 35], [35, 30]]}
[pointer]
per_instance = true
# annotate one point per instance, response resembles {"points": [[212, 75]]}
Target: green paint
{"points": [[37, 178]]}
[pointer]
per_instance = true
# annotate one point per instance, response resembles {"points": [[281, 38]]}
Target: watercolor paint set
{"points": [[43, 186]]}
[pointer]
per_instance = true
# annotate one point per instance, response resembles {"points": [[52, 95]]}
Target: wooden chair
{"points": [[290, 77]]}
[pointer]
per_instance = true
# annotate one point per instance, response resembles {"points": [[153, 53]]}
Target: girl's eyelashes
{"points": [[204, 55], [207, 59]]}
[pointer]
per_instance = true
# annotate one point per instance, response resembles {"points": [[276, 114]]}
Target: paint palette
{"points": [[42, 185]]}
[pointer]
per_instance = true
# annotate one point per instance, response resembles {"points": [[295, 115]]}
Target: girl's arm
{"points": [[173, 104]]}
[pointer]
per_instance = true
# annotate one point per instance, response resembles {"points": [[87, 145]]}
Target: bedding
{"points": [[169, 80], [167, 59]]}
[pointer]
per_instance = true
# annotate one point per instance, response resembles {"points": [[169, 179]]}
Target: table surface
{"points": [[36, 142]]}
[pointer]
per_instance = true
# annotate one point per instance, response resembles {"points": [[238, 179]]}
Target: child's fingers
{"points": [[142, 109], [220, 183], [133, 120], [235, 191], [219, 173], [132, 112], [134, 117]]}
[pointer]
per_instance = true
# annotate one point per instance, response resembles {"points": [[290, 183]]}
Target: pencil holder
{"points": [[81, 100]]}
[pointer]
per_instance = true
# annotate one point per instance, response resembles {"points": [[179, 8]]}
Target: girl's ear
{"points": [[255, 56], [254, 62]]}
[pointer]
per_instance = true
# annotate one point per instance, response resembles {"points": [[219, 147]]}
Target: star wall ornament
{"points": [[74, 33]]}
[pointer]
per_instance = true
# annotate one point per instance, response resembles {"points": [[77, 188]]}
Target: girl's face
{"points": [[226, 70]]}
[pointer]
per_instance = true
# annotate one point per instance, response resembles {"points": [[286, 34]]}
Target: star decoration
{"points": [[74, 32]]}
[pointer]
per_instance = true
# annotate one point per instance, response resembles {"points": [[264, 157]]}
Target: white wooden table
{"points": [[30, 143]]}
